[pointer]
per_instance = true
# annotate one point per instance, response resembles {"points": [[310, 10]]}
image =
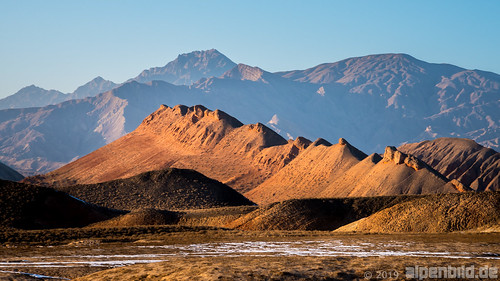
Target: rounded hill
{"points": [[33, 207], [167, 189], [434, 213]]}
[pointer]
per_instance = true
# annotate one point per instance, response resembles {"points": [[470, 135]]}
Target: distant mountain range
{"points": [[184, 70], [33, 96], [372, 101]]}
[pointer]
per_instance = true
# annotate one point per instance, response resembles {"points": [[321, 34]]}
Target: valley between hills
{"points": [[190, 191]]}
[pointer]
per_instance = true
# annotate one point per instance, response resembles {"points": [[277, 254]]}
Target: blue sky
{"points": [[63, 44]]}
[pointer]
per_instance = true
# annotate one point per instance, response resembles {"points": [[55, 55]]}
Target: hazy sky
{"points": [[63, 44]]}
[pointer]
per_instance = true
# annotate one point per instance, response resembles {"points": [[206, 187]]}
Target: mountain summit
{"points": [[95, 86], [33, 96], [245, 72], [189, 68]]}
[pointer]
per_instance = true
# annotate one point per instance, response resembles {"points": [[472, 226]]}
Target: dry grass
{"points": [[272, 268], [248, 265], [436, 213], [314, 214], [67, 235], [410, 213]]}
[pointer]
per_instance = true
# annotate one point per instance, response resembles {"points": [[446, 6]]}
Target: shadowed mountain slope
{"points": [[403, 213], [461, 159], [296, 214], [213, 217], [168, 189], [141, 217], [7, 173], [313, 214], [34, 207], [211, 142]]}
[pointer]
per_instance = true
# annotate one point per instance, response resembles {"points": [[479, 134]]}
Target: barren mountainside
{"points": [[32, 96], [434, 100], [432, 213], [343, 171], [210, 142], [92, 88], [461, 159], [313, 214], [38, 140], [307, 176], [394, 173]]}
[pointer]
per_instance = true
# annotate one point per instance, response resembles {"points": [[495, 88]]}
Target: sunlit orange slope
{"points": [[211, 142]]}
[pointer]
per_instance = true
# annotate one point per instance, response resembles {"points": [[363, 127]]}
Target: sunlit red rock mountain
{"points": [[341, 170], [211, 142], [252, 159]]}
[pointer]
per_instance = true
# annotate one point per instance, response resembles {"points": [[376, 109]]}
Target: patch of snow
{"points": [[491, 122], [311, 248], [429, 131], [321, 91], [274, 120], [95, 263], [34, 275]]}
